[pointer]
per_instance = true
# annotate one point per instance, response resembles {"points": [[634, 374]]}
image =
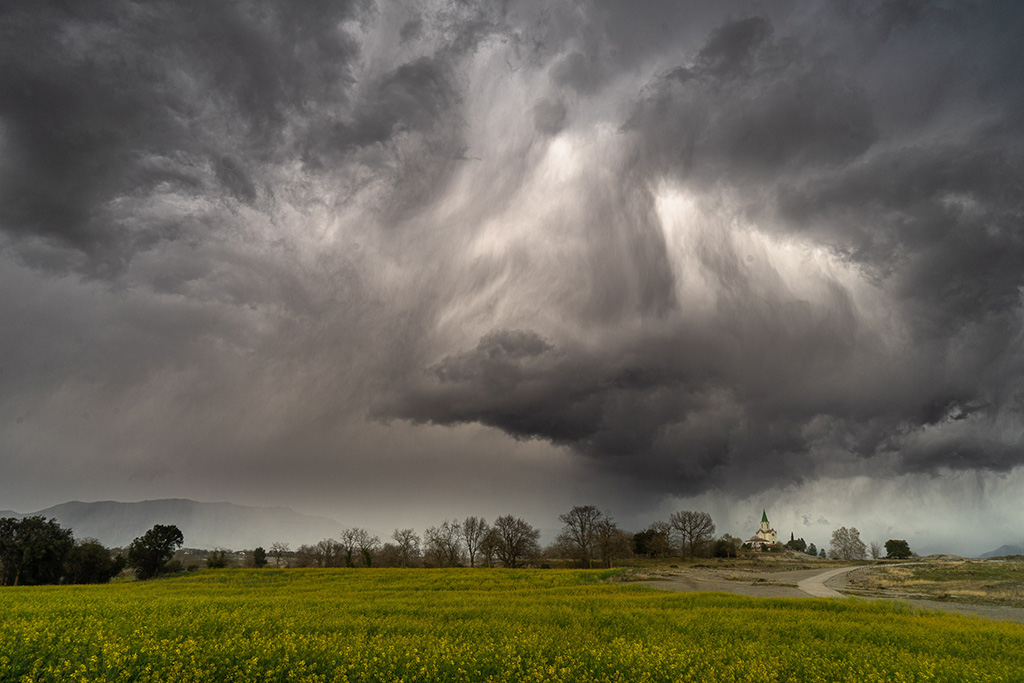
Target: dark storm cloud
{"points": [[696, 244], [411, 96], [549, 116], [120, 100], [750, 108], [805, 135]]}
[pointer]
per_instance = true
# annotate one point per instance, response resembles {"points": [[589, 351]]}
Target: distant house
{"points": [[765, 536]]}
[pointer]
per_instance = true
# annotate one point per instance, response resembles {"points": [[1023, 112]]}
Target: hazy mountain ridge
{"points": [[1004, 550], [204, 525]]}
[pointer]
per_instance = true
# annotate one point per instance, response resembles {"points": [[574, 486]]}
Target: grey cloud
{"points": [[411, 29], [731, 50], [724, 245], [747, 109], [942, 222], [549, 116], [661, 26], [412, 96], [104, 104], [772, 387], [234, 178], [519, 382], [579, 72], [679, 411]]}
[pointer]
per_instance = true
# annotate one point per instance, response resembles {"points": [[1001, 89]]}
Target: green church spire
{"points": [[764, 516]]}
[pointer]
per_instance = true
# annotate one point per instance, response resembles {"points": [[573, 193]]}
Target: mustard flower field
{"points": [[319, 626]]}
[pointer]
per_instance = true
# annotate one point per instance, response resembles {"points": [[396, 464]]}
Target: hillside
{"points": [[204, 525], [1003, 551]]}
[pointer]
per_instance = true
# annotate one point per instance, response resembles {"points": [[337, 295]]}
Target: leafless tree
{"points": [[328, 553], [876, 550], [349, 546], [579, 532], [846, 544], [408, 546], [612, 542], [358, 544], [443, 544], [516, 540], [278, 550], [489, 547], [367, 544], [695, 529], [305, 556], [474, 529], [325, 553]]}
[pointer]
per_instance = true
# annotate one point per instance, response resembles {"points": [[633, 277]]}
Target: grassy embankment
{"points": [[476, 625], [998, 582]]}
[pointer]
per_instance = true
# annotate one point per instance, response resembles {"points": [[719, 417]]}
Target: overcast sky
{"points": [[399, 261]]}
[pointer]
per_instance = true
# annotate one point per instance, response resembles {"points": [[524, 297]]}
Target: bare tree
{"points": [[278, 550], [876, 550], [408, 546], [579, 532], [305, 556], [489, 547], [846, 544], [327, 553], [474, 529], [695, 529], [516, 540], [443, 544], [358, 544], [367, 544], [389, 555], [612, 542]]}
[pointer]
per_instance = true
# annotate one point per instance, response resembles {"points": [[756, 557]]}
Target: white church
{"points": [[765, 536]]}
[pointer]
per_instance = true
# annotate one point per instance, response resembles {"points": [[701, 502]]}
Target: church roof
{"points": [[764, 515]]}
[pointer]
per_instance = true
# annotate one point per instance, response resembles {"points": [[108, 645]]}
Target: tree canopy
{"points": [[515, 540], [696, 531], [33, 551], [579, 535], [150, 553], [846, 544], [897, 549]]}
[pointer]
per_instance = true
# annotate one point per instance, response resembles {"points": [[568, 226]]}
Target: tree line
{"points": [[588, 538], [509, 542], [36, 551]]}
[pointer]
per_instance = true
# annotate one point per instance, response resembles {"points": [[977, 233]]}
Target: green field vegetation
{"points": [[974, 570], [976, 581], [476, 625]]}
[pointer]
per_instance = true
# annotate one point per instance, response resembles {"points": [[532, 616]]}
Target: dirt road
{"points": [[815, 585], [819, 583]]}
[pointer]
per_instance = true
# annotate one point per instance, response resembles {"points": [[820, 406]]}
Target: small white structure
{"points": [[765, 536]]}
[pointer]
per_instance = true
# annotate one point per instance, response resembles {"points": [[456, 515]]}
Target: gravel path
{"points": [[815, 586], [819, 583]]}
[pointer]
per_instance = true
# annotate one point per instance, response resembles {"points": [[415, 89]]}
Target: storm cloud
{"points": [[683, 248], [839, 287]]}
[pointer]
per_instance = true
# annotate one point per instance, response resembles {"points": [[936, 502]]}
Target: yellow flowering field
{"points": [[317, 626]]}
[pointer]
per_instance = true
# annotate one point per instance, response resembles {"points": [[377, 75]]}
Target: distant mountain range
{"points": [[204, 525], [1004, 550]]}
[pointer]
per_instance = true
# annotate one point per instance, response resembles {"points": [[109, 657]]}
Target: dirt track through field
{"points": [[807, 583]]}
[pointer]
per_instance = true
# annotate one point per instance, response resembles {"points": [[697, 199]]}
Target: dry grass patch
{"points": [[979, 581]]}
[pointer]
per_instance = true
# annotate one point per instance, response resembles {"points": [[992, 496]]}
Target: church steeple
{"points": [[766, 535]]}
